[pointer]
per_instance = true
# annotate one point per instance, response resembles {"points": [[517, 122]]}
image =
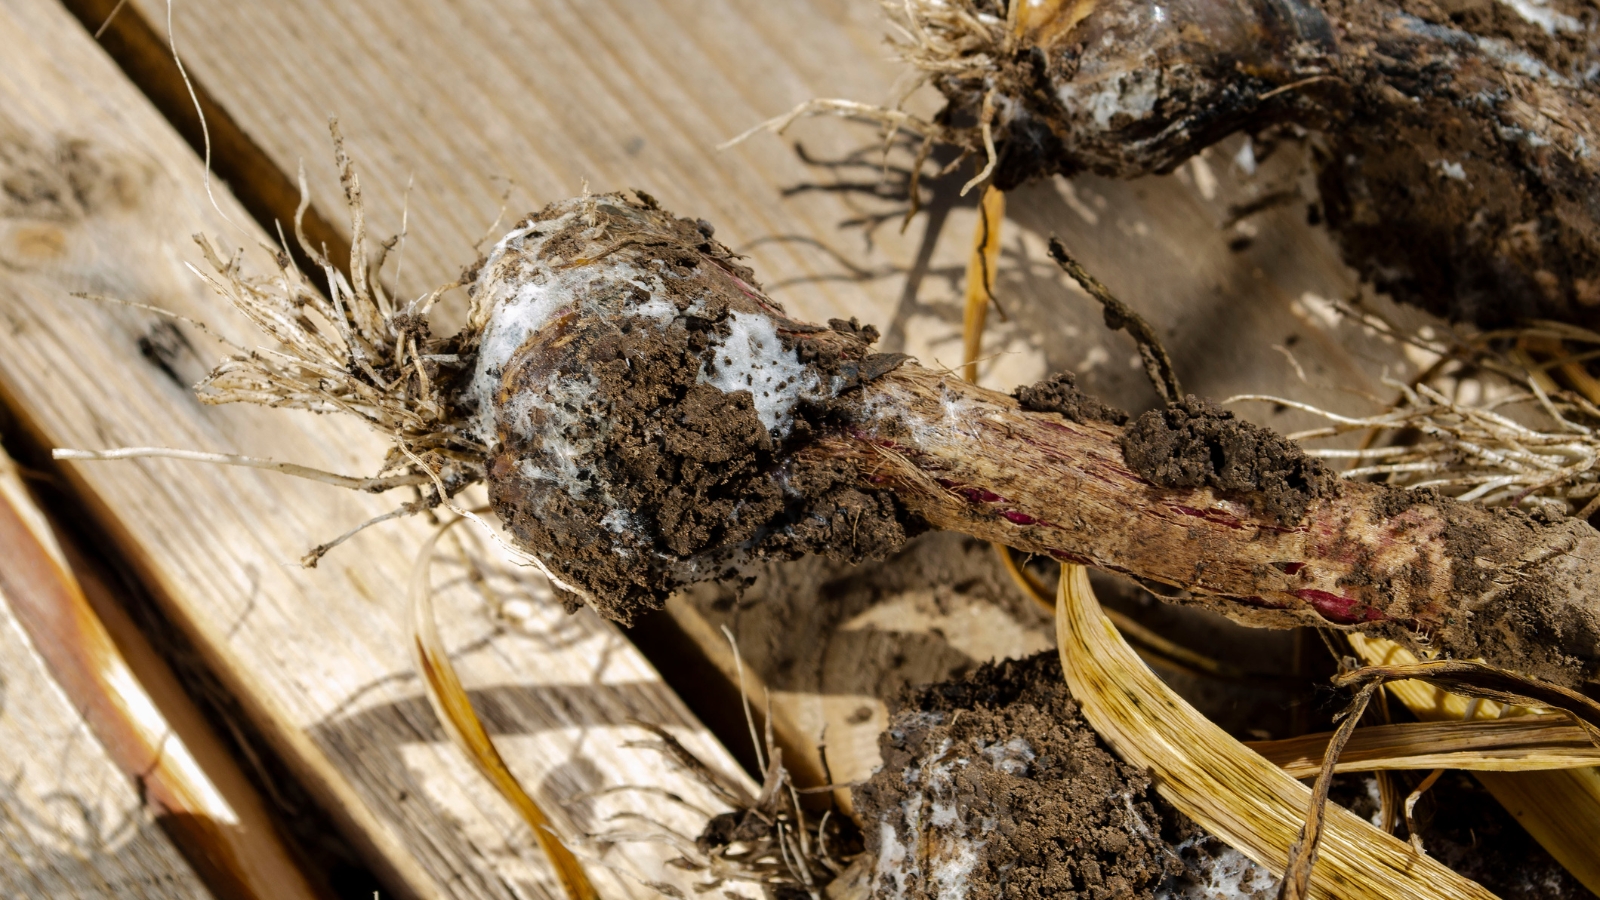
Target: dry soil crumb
{"points": [[994, 786], [1194, 444], [1060, 394]]}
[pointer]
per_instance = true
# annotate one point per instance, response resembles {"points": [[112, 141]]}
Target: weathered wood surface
{"points": [[136, 715], [101, 196], [72, 821], [446, 107]]}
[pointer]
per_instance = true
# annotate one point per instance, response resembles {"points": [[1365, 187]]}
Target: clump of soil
{"points": [[1060, 394], [1536, 626], [994, 786], [644, 429], [1195, 444], [1439, 188]]}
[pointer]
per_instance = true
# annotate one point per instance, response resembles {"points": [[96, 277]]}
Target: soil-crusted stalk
{"points": [[646, 417], [1292, 548], [655, 420]]}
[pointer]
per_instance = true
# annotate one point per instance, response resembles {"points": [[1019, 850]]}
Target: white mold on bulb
{"points": [[752, 358], [523, 293]]}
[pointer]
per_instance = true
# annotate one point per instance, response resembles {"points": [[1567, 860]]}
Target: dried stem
{"points": [[967, 459], [1121, 317], [1303, 855]]}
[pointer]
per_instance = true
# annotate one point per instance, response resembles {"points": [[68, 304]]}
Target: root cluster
{"points": [[358, 350], [1503, 418]]}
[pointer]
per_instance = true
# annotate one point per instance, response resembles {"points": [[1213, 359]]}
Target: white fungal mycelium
{"points": [[752, 358], [1541, 14], [1132, 93], [947, 853], [1226, 874], [521, 294]]}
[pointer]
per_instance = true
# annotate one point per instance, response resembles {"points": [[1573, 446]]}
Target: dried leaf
{"points": [[1218, 782], [454, 709], [1561, 809], [1508, 745]]}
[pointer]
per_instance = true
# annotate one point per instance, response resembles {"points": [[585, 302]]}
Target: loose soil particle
{"points": [[1060, 394], [1195, 444], [994, 786]]}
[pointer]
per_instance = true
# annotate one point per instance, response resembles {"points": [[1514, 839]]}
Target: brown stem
{"points": [[1430, 571]]}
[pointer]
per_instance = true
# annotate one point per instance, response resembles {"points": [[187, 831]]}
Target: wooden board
{"points": [[137, 715], [102, 197], [445, 107], [72, 821]]}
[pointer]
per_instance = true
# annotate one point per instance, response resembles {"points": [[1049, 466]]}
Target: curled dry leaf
{"points": [[450, 703], [1226, 787]]}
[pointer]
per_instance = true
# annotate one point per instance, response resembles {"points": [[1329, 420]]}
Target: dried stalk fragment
{"points": [[656, 420]]}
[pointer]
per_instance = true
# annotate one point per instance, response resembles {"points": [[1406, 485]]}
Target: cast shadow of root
{"points": [[369, 747]]}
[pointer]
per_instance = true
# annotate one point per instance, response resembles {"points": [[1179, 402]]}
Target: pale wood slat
{"points": [[72, 823], [455, 99], [137, 715], [318, 658]]}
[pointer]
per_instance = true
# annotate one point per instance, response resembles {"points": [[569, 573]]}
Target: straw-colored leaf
{"points": [[1224, 786], [982, 266], [1523, 744], [451, 704], [1561, 808]]}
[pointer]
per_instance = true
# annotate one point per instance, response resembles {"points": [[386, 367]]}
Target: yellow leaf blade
{"points": [[1222, 785]]}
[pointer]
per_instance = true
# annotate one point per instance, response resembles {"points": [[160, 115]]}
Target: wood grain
{"points": [[72, 821], [457, 99], [445, 106], [101, 197], [140, 718]]}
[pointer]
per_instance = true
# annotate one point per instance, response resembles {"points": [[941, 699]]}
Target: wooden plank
{"points": [[138, 716], [444, 105], [102, 196], [72, 822]]}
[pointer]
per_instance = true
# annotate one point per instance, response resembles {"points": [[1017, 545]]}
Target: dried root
{"points": [[358, 351], [768, 842], [1485, 424], [958, 40]]}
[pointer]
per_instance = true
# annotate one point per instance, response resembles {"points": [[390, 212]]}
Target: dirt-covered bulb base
{"points": [[641, 398]]}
